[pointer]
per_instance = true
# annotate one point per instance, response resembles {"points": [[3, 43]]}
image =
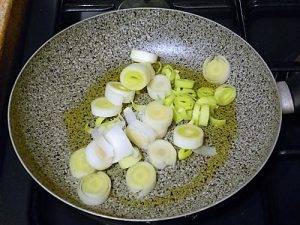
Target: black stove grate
{"points": [[272, 27]]}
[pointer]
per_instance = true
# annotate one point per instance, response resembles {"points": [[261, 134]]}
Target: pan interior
{"points": [[50, 104]]}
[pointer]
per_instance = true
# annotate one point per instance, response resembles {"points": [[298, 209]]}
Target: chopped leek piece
{"points": [[158, 67], [179, 114], [204, 115], [169, 100], [170, 72], [189, 114], [99, 121], [136, 76], [138, 107], [225, 94], [87, 129], [216, 69], [185, 91], [176, 72], [184, 83], [205, 92], [184, 101], [195, 114], [209, 100], [184, 153], [188, 136], [216, 122]]}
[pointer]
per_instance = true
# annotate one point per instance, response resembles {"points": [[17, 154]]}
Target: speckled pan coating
{"points": [[58, 75]]}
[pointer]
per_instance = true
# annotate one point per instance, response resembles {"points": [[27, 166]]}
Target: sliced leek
{"points": [[209, 100], [136, 76], [180, 114], [217, 122], [171, 73], [99, 154], [99, 121], [129, 161], [185, 91], [94, 188], [196, 114], [225, 94], [184, 83], [168, 101], [79, 166], [205, 92], [101, 107], [138, 132], [216, 70], [158, 117], [161, 154], [117, 94], [143, 56], [184, 153], [184, 101], [159, 87], [204, 115], [141, 178], [188, 136], [120, 142]]}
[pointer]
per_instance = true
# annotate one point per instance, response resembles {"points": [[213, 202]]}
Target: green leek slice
{"points": [[205, 92], [184, 101], [184, 153], [171, 73], [204, 115], [99, 121], [217, 122], [184, 83], [169, 100], [209, 100], [196, 114], [225, 94], [185, 91]]}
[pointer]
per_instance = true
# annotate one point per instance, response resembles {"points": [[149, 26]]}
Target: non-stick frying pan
{"points": [[57, 81]]}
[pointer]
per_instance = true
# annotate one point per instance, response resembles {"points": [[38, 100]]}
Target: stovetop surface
{"points": [[272, 198]]}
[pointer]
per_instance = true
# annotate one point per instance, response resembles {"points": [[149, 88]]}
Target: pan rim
{"points": [[159, 218]]}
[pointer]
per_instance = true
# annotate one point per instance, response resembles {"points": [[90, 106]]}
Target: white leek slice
{"points": [[101, 107], [99, 154], [129, 161], [151, 69], [159, 87], [158, 116], [129, 115], [161, 154], [216, 70], [205, 151], [121, 144], [117, 94], [188, 136], [140, 134], [143, 56], [136, 76], [79, 166], [141, 178], [94, 188]]}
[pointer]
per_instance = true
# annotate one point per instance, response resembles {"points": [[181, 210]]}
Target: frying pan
{"points": [[57, 81]]}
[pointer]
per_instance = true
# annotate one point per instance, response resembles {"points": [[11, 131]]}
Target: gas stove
{"points": [[272, 198]]}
